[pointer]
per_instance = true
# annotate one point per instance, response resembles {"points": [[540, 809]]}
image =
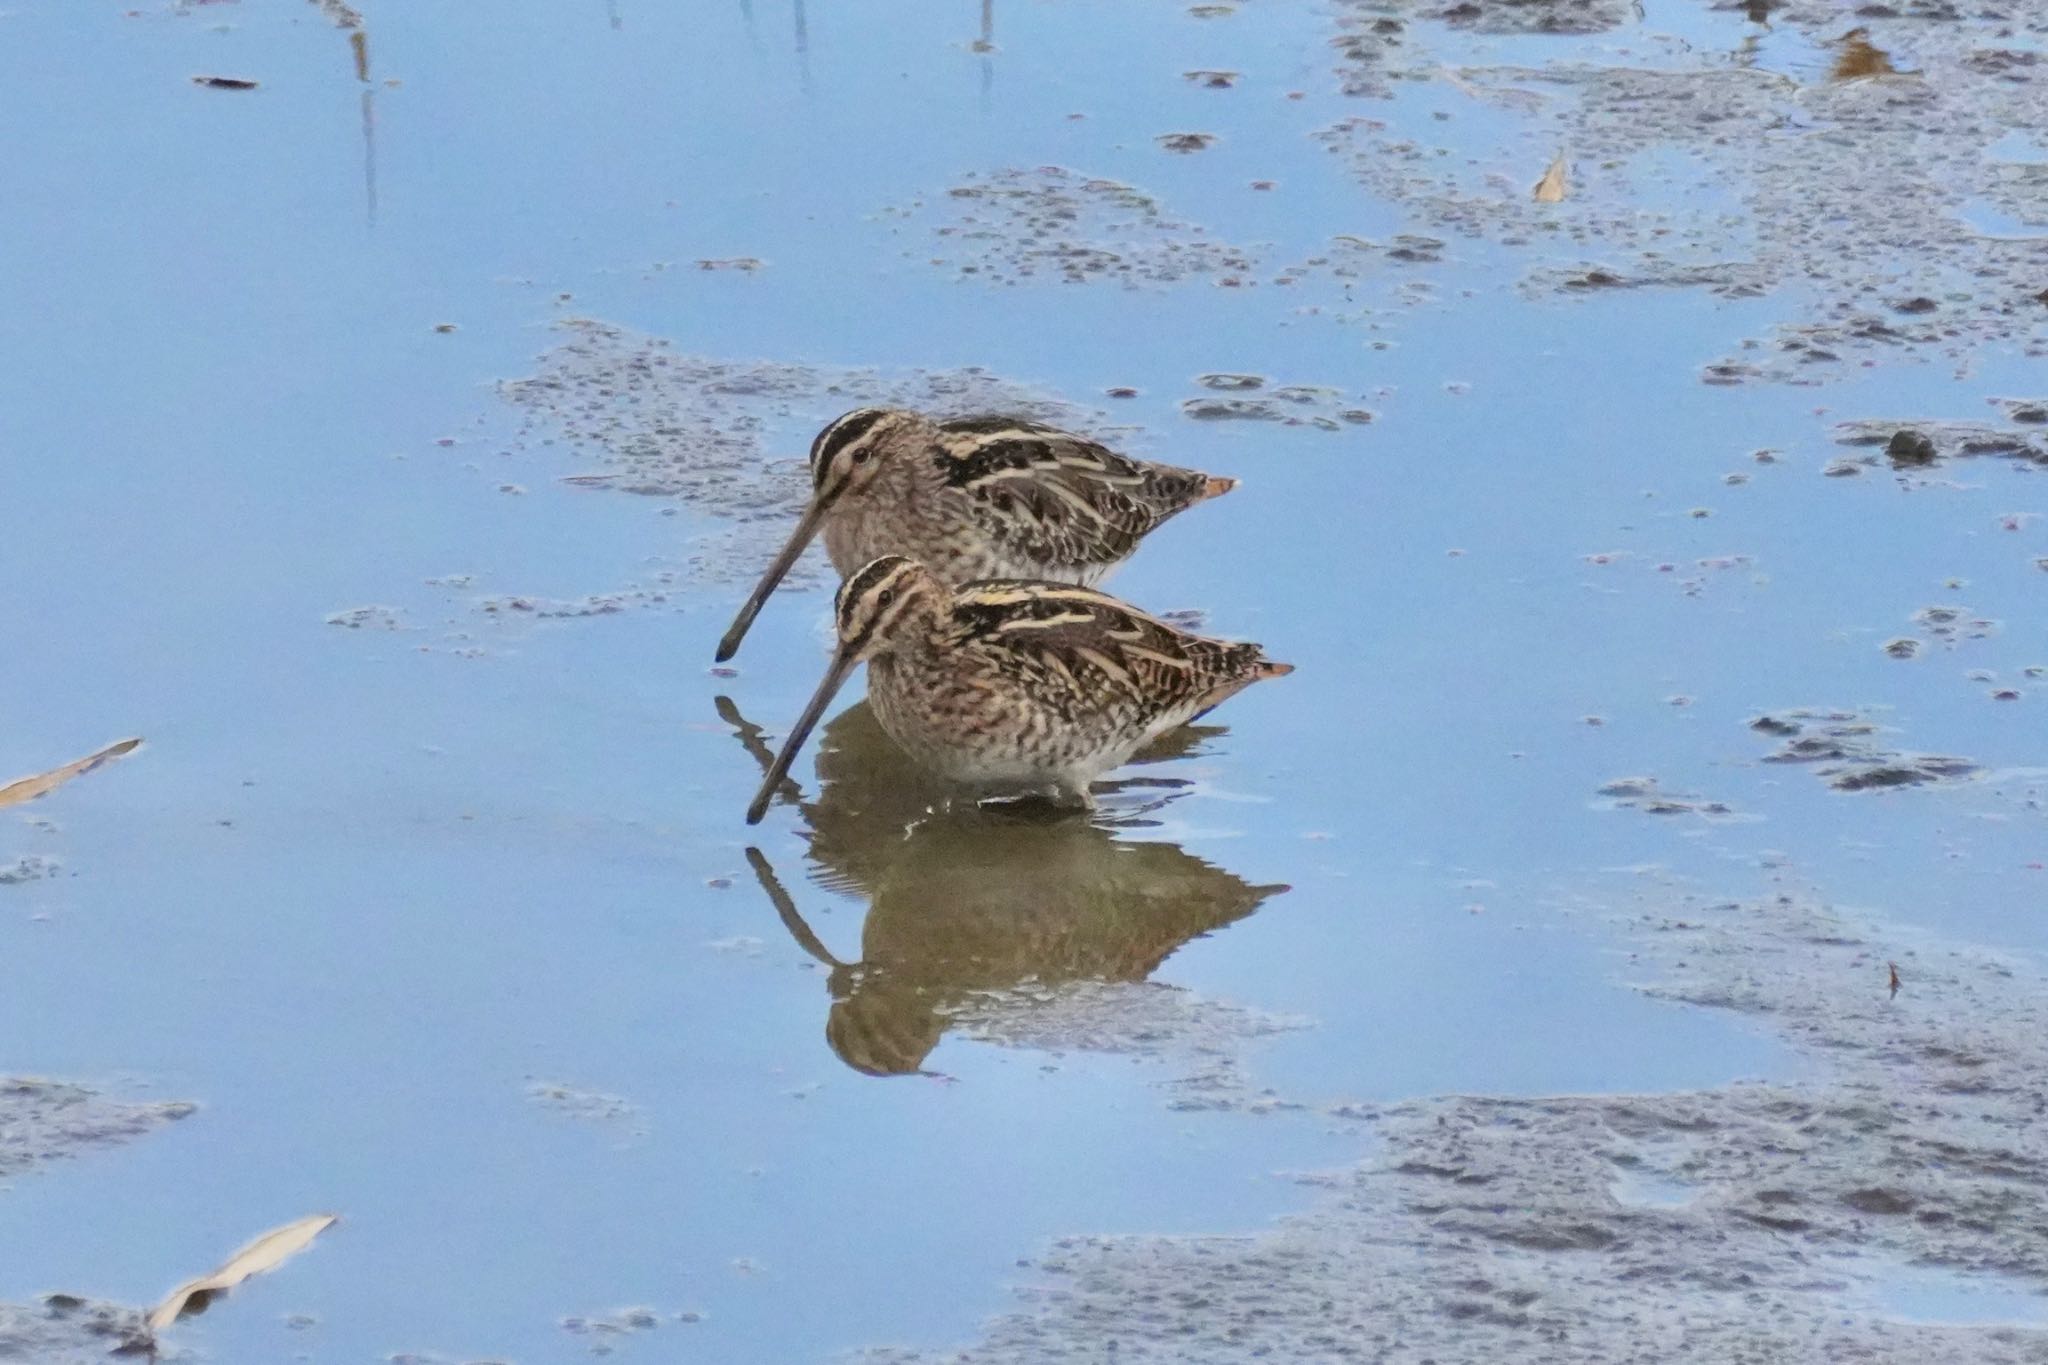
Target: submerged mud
{"points": [[43, 1121], [29, 867], [1860, 165], [1651, 797], [1851, 752], [1249, 398], [1903, 445], [1013, 225], [1751, 1222], [62, 1329], [1880, 172]]}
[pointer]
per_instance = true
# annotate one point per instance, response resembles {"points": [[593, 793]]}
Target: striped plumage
{"points": [[1016, 685], [974, 498]]}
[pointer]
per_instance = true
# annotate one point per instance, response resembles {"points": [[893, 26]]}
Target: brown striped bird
{"points": [[973, 498], [1015, 685]]}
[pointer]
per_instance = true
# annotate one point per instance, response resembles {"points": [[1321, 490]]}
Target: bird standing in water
{"points": [[974, 498], [1016, 685]]}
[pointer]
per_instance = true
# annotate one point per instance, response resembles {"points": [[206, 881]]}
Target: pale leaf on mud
{"points": [[267, 1252], [1550, 189], [29, 788]]}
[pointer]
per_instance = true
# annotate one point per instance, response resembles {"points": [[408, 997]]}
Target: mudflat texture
{"points": [[42, 1120], [1735, 1224], [61, 1329], [1637, 416]]}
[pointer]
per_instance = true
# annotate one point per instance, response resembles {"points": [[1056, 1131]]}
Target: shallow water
{"points": [[447, 921], [1933, 1295]]}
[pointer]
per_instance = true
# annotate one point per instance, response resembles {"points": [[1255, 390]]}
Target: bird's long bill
{"points": [[806, 528], [842, 664]]}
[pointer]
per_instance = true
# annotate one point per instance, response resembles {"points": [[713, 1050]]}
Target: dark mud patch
{"points": [[1850, 753], [1250, 398], [1049, 222], [603, 1334], [63, 1329], [1533, 16], [1648, 795], [368, 618], [1753, 1222], [1858, 185], [724, 438], [48, 1120], [43, 1121], [31, 867], [1914, 444], [1947, 624]]}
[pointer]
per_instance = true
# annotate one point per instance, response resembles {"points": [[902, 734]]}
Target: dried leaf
{"points": [[29, 788], [267, 1252], [1857, 57], [1550, 189]]}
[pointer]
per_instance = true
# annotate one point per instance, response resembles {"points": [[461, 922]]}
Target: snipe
{"points": [[975, 497], [1016, 685]]}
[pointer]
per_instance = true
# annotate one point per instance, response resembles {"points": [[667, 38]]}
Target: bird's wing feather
{"points": [[1090, 641], [1058, 498]]}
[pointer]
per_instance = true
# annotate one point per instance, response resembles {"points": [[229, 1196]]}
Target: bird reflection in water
{"points": [[980, 911]]}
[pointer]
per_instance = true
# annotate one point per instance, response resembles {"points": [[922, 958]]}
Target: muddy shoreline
{"points": [[1752, 1222]]}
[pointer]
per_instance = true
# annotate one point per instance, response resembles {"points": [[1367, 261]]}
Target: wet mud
{"points": [[1810, 165], [604, 1334], [1863, 173], [1851, 753], [63, 1329], [1050, 222], [1755, 1222], [1648, 795], [30, 867], [44, 1121], [1917, 443], [1250, 398], [1533, 16]]}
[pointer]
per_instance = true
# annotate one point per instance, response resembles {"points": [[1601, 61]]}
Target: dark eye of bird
{"points": [[861, 456], [886, 598]]}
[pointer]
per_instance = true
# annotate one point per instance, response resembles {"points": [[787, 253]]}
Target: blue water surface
{"points": [[363, 888]]}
